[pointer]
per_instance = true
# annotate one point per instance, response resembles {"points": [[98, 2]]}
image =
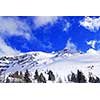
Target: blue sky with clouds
{"points": [[48, 33]]}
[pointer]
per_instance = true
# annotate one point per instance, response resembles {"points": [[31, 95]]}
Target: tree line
{"points": [[26, 77]]}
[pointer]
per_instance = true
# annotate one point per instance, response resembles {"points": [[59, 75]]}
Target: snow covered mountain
{"points": [[62, 64]]}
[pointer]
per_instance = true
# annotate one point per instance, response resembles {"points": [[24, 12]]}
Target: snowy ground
{"points": [[61, 65], [66, 65]]}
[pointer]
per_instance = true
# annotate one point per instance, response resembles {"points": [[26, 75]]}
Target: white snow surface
{"points": [[61, 65]]}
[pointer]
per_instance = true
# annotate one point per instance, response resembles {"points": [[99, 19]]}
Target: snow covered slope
{"points": [[62, 63]]}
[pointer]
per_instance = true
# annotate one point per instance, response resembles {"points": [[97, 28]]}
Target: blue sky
{"points": [[48, 33]]}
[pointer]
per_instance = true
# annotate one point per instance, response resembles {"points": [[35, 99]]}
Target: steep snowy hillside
{"points": [[62, 64]]}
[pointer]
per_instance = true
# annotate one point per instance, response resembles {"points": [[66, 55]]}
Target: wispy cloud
{"points": [[12, 26], [70, 45], [6, 50], [92, 43], [44, 20], [92, 24], [66, 25]]}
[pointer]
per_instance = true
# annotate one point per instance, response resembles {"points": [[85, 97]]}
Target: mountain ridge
{"points": [[62, 63]]}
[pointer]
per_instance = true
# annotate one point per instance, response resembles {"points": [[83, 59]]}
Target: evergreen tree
{"points": [[97, 80], [26, 77], [73, 77], [36, 76], [51, 76], [80, 77], [92, 79], [68, 77], [59, 80], [7, 80], [21, 75], [41, 79]]}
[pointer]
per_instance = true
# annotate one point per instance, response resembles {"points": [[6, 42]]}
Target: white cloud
{"points": [[66, 26], [92, 43], [10, 26], [92, 52], [44, 20], [6, 50], [92, 24], [71, 46]]}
